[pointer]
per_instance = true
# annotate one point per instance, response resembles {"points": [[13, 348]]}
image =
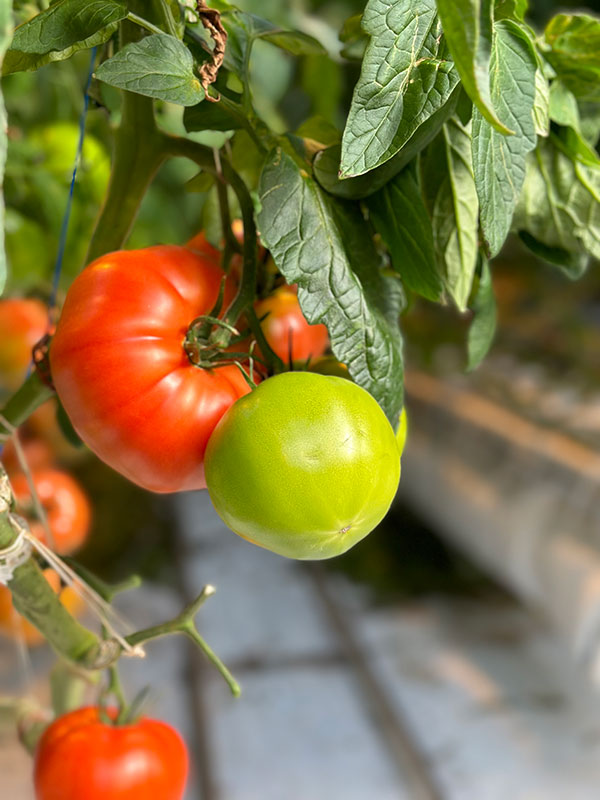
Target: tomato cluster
{"points": [[305, 465]]}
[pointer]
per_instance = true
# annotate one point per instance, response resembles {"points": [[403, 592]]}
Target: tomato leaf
{"points": [[558, 215], [6, 29], [574, 41], [211, 117], [541, 104], [327, 162], [563, 106], [158, 66], [511, 9], [499, 161], [61, 30], [353, 38], [405, 79], [325, 246], [467, 26], [483, 327], [447, 172], [400, 216]]}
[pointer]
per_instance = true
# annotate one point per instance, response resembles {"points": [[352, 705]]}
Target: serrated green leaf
{"points": [[63, 29], [66, 23], [560, 203], [324, 246], [400, 217], [158, 66], [511, 9], [574, 53], [450, 186], [499, 161], [467, 27], [405, 79], [6, 30], [483, 327], [326, 165]]}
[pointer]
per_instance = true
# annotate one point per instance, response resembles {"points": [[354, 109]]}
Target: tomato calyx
{"points": [[200, 350]]}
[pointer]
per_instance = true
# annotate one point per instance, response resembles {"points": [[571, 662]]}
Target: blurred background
{"points": [[452, 655]]}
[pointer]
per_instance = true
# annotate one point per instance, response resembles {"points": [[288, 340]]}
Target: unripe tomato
{"points": [[402, 431], [306, 465], [13, 623], [80, 757], [22, 324], [286, 330], [65, 503], [121, 371]]}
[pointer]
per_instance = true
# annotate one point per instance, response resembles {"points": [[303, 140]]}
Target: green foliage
{"points": [[405, 79], [159, 66], [498, 160], [387, 152], [5, 37], [332, 259]]}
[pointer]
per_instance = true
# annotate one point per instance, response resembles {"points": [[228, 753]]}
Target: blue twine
{"points": [[62, 241]]}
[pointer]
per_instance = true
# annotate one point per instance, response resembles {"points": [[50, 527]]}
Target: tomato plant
{"points": [[306, 465], [286, 330], [66, 505], [121, 367], [23, 322], [83, 757], [12, 623]]}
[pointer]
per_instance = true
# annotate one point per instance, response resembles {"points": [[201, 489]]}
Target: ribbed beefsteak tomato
{"points": [[80, 757], [121, 371]]}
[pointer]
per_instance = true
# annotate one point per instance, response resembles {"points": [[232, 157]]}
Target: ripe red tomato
{"points": [[22, 324], [121, 371], [65, 503], [286, 330], [80, 757]]}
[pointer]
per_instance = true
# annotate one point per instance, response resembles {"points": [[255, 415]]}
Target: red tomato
{"points": [[287, 331], [121, 371], [66, 506], [79, 757], [22, 325]]}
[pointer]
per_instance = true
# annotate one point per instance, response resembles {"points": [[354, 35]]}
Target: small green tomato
{"points": [[306, 465]]}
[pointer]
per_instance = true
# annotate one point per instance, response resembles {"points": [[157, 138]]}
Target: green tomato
{"points": [[306, 465]]}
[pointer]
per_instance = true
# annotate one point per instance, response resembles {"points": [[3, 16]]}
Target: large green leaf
{"points": [[61, 30], [499, 161], [483, 327], [327, 162], [325, 246], [405, 79], [450, 187], [541, 104], [158, 66], [5, 37], [559, 207], [399, 215], [574, 53], [467, 27]]}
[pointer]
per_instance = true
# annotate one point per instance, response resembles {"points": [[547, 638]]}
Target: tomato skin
{"points": [[121, 371], [65, 503], [286, 330], [22, 324], [79, 757], [305, 466]]}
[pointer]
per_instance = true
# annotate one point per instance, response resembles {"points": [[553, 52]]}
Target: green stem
{"points": [[143, 23], [32, 394], [203, 157], [137, 157]]}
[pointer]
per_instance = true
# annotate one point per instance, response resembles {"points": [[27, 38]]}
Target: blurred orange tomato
{"points": [[23, 322], [65, 503]]}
